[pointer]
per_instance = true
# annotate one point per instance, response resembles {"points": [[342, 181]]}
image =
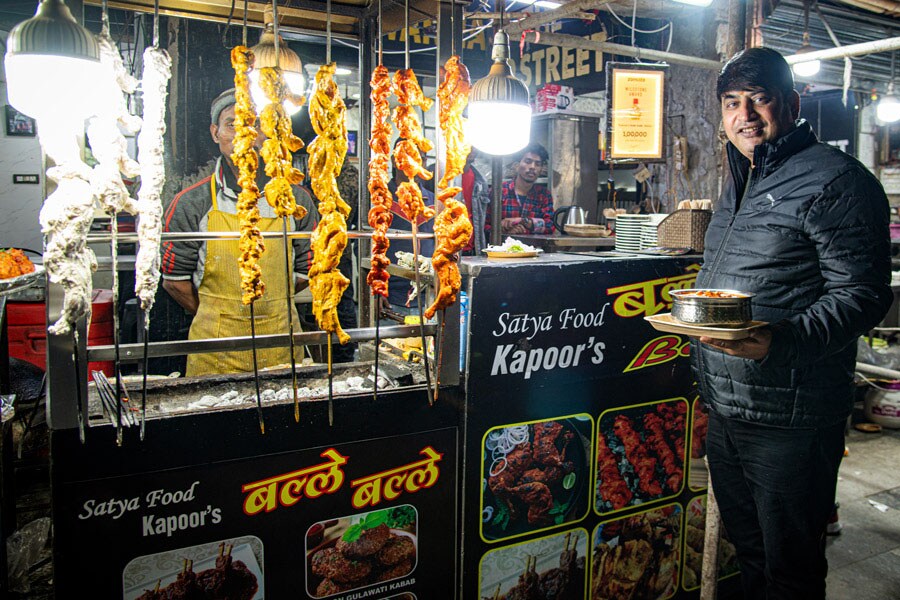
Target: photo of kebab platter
{"points": [[694, 531], [640, 454], [544, 569], [354, 552], [637, 557], [535, 476], [218, 571]]}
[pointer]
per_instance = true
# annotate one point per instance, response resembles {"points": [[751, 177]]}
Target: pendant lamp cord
{"points": [[156, 24], [328, 32], [277, 35], [244, 30]]}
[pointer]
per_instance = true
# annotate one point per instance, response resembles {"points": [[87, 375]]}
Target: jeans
{"points": [[775, 489]]}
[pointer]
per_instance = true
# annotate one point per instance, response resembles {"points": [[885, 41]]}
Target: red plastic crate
{"points": [[27, 328]]}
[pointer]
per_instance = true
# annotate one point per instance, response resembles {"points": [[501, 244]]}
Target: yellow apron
{"points": [[221, 312]]}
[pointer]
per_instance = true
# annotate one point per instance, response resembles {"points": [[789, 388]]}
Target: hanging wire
{"points": [[104, 18], [406, 33], [380, 44], [328, 32], [244, 28], [452, 27], [277, 36], [156, 24]]}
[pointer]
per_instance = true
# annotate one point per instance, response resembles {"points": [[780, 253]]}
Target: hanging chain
{"points": [[156, 24], [452, 27], [277, 35], [244, 30], [406, 33], [328, 32], [380, 40], [104, 18]]}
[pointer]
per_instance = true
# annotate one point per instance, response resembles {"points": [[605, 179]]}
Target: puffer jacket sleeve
{"points": [[848, 224]]}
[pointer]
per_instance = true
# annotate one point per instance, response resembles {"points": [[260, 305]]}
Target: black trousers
{"points": [[775, 489]]}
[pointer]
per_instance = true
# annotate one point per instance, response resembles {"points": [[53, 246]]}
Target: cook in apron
{"points": [[221, 312]]}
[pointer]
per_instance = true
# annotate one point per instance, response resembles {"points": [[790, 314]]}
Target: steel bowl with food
{"points": [[712, 308]]}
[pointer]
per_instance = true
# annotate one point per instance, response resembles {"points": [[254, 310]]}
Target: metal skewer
{"points": [[290, 316], [419, 296], [114, 255], [331, 385], [440, 356], [377, 303], [259, 413], [145, 365], [78, 395]]}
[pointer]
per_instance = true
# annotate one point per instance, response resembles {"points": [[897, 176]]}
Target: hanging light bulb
{"points": [[265, 56], [50, 54], [806, 68], [499, 115], [810, 67], [888, 109]]}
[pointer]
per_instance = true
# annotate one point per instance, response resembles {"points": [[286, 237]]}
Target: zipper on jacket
{"points": [[739, 203]]}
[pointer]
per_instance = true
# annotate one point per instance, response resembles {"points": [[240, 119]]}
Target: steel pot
{"points": [[729, 308]]}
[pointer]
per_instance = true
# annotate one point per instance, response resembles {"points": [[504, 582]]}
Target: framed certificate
{"points": [[635, 112]]}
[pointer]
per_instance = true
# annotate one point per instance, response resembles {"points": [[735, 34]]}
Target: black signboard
{"points": [[370, 515], [585, 425]]}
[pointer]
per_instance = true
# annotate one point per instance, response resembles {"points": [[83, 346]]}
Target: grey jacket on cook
{"points": [[808, 235]]}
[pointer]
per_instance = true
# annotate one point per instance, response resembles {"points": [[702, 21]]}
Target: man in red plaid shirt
{"points": [[527, 206]]}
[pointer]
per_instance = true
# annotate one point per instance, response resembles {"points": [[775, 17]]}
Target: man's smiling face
{"points": [[753, 117]]}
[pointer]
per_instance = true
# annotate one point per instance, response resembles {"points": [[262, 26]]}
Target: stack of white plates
{"points": [[649, 238], [629, 229]]}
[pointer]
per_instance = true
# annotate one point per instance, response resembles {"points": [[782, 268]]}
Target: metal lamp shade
{"points": [[50, 57], [499, 115]]}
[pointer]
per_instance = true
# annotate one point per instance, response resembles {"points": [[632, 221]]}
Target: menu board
{"points": [[584, 435], [636, 112]]}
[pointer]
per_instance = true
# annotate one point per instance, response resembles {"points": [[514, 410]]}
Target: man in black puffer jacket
{"points": [[804, 227]]}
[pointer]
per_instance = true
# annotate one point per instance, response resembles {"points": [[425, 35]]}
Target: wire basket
{"points": [[684, 229]]}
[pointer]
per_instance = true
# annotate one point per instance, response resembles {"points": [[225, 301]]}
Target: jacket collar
{"points": [[769, 156]]}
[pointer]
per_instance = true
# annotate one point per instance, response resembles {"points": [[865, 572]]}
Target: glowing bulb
{"points": [[498, 127], [888, 109], [806, 68], [35, 82], [296, 83]]}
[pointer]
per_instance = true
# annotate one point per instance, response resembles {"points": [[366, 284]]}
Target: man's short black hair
{"points": [[533, 148], [755, 68]]}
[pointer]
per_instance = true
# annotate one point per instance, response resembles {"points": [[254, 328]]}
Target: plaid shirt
{"points": [[536, 205]]}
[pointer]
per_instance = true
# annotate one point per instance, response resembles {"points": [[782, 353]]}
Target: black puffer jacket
{"points": [[810, 238]]}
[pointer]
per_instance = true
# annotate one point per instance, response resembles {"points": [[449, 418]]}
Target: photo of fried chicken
{"points": [[550, 568], [640, 454], [534, 476], [637, 557], [353, 552]]}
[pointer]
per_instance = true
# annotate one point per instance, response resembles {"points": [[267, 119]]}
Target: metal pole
{"points": [[573, 41], [496, 199], [874, 47], [710, 573]]}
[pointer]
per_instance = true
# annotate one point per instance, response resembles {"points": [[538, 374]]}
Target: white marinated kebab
{"points": [[154, 83], [110, 149]]}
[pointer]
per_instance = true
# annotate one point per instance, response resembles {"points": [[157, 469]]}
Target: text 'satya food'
{"points": [[326, 157]]}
